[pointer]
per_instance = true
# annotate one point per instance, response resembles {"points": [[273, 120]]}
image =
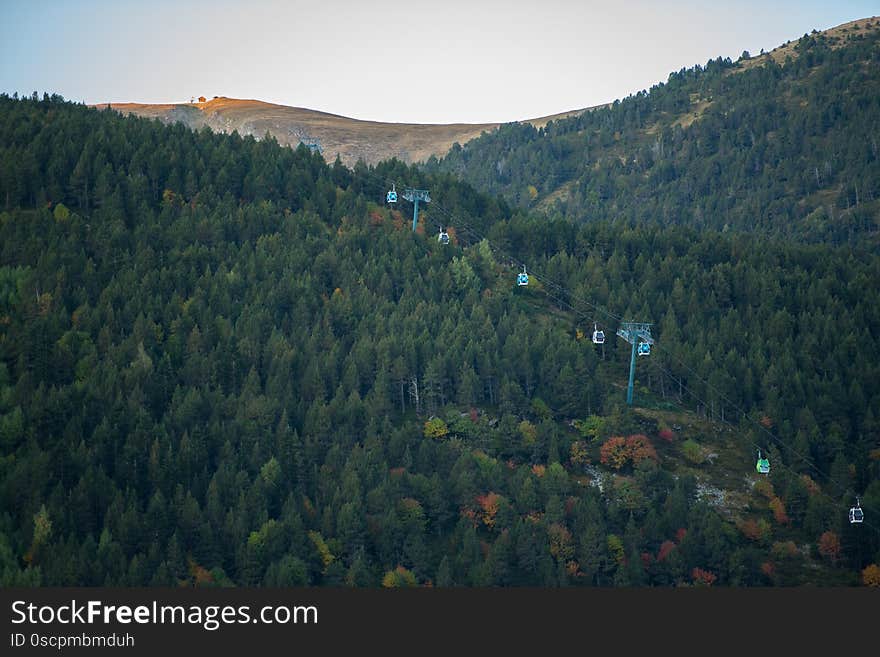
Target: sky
{"points": [[447, 61]]}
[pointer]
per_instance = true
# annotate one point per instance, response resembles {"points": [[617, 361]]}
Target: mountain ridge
{"points": [[352, 139]]}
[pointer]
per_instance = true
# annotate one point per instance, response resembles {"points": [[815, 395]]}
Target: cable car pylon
{"points": [[637, 334], [416, 195]]}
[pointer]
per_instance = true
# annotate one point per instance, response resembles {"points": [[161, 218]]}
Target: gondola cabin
{"points": [[644, 349], [522, 278], [391, 196], [763, 465], [856, 515], [598, 336], [443, 237]]}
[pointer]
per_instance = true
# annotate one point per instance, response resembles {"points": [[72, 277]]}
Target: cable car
{"points": [[391, 197], [763, 465], [644, 349], [856, 515], [598, 336], [443, 238], [522, 278]]}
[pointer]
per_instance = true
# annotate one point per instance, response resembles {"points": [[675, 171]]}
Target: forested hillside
{"points": [[783, 144], [223, 363]]}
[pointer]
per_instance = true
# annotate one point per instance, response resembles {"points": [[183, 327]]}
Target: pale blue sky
{"points": [[411, 60]]}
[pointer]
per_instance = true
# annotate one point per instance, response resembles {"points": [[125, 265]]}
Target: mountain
{"points": [[351, 139], [783, 143], [224, 361]]}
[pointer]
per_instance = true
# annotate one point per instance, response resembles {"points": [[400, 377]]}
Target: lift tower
{"points": [[637, 334], [416, 195]]}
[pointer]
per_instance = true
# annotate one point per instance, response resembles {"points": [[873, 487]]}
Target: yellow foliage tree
{"points": [[579, 453], [436, 428], [871, 576], [399, 577], [327, 557], [529, 433]]}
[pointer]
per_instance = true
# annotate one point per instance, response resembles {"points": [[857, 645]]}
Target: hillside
{"points": [[783, 143], [351, 139], [222, 363]]}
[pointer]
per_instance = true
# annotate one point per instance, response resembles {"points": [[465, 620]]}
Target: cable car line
{"points": [[644, 349], [827, 496]]}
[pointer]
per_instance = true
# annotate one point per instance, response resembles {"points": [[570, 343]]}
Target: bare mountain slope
{"points": [[352, 139]]}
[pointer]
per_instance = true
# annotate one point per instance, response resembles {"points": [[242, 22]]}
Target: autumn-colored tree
{"points": [[198, 574], [680, 533], [614, 452], [436, 428], [320, 544], [489, 504], [472, 515], [42, 531], [666, 547], [640, 448], [702, 577], [829, 546], [42, 526], [666, 435], [398, 578], [779, 514], [811, 486], [871, 575], [579, 454], [754, 530], [538, 470], [561, 545]]}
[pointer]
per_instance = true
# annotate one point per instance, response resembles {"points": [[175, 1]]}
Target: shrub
{"points": [[692, 451]]}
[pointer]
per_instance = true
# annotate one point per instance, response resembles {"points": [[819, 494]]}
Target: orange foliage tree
{"points": [[489, 504], [754, 530], [829, 546], [640, 448], [561, 545], [703, 577], [613, 452], [811, 486], [618, 451], [778, 508], [666, 547], [579, 454]]}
